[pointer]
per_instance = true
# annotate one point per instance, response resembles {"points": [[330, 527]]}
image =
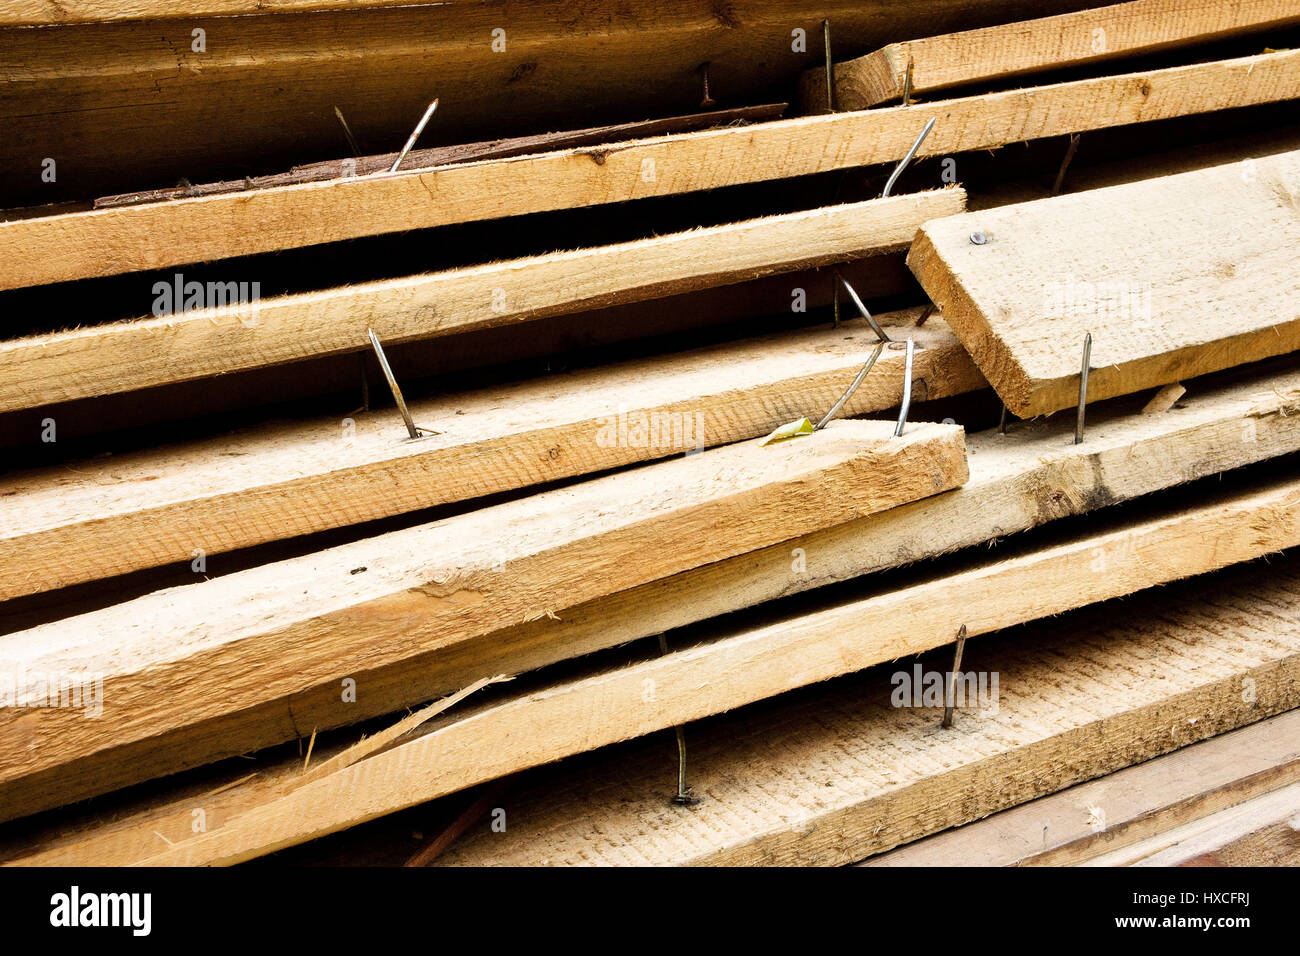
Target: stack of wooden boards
{"points": [[566, 568]]}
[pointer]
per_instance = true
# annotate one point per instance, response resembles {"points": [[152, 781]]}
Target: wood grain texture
{"points": [[460, 153], [992, 54], [1121, 808], [133, 105], [111, 516], [1174, 277], [741, 668], [1030, 476], [702, 313], [1264, 831], [48, 13], [182, 656], [156, 235], [140, 353], [841, 774]]}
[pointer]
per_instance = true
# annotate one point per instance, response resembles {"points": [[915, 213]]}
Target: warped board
{"points": [[1030, 476], [460, 153], [139, 353], [110, 516], [178, 657], [1122, 808], [992, 54], [139, 106], [844, 773], [1264, 831], [715, 676], [155, 235], [1173, 277]]}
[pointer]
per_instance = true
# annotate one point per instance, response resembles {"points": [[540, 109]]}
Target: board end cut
{"points": [[1173, 277]]}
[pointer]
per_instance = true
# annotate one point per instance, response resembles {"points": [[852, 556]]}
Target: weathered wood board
{"points": [[1121, 808], [183, 344], [1172, 277], [99, 518], [1028, 477], [179, 657], [844, 773], [1010, 50], [157, 235]]}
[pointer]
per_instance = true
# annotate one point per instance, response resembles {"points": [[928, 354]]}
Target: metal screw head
{"points": [[978, 238]]}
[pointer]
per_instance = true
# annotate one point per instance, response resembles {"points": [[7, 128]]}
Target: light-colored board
{"points": [[1264, 831], [1121, 808], [829, 778], [997, 53], [1164, 399], [179, 657], [738, 669], [99, 518], [157, 235], [1030, 476], [182, 345], [549, 345], [459, 153], [1173, 277]]}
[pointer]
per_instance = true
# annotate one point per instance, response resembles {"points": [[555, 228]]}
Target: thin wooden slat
{"points": [[1006, 51], [459, 153], [156, 235], [183, 345], [183, 656], [844, 773], [745, 667], [1262, 832], [1121, 808], [701, 314], [1173, 277]]}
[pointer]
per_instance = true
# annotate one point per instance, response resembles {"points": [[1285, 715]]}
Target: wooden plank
{"points": [[1173, 277], [997, 53], [156, 235], [111, 516], [1264, 831], [550, 345], [182, 656], [460, 153], [1030, 476], [184, 345], [1121, 808], [741, 668], [842, 773], [42, 13], [139, 106]]}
